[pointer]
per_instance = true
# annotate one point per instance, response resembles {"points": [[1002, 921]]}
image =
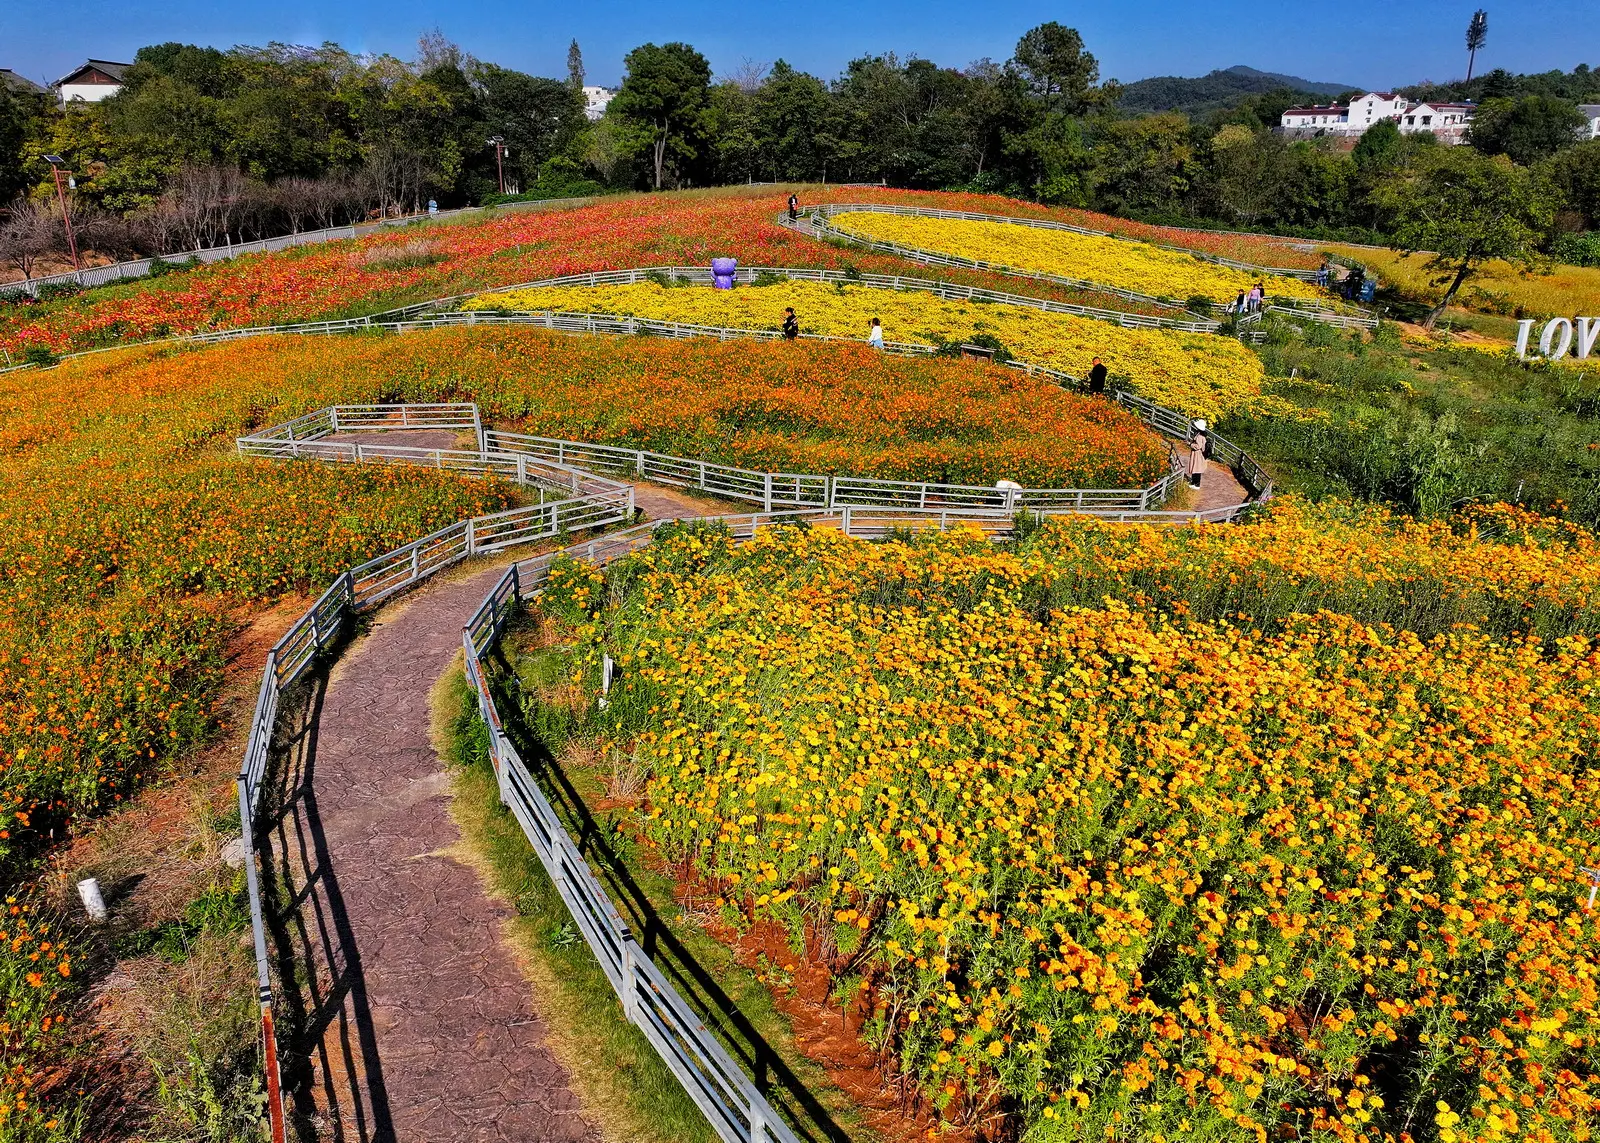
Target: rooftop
{"points": [[107, 67]]}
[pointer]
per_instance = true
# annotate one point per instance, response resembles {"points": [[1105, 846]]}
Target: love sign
{"points": [[1559, 337]]}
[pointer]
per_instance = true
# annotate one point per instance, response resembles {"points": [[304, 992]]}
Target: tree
{"points": [[1527, 129], [1477, 33], [574, 66], [1575, 175], [1248, 168], [1379, 147], [1058, 71], [665, 100], [1463, 209], [31, 231]]}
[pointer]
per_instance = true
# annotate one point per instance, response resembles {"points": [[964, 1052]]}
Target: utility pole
{"points": [[498, 142], [56, 164]]}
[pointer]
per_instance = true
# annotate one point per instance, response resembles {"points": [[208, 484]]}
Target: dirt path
{"points": [[413, 1022]]}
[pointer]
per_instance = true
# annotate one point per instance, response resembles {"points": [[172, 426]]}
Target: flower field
{"points": [[340, 279], [1109, 865], [1501, 288], [843, 410], [1114, 262], [131, 538], [1197, 373]]}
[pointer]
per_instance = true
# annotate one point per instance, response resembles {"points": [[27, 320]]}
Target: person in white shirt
{"points": [[875, 334]]}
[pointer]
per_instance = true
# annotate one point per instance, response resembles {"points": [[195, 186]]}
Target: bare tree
{"points": [[31, 231], [748, 76]]}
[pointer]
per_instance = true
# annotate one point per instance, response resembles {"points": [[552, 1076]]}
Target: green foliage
{"points": [[665, 105], [1578, 249], [1527, 129], [1426, 431], [1464, 209]]}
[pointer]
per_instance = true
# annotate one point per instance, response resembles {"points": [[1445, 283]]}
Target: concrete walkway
{"points": [[413, 1022]]}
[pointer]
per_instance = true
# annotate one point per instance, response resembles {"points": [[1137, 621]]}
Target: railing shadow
{"points": [[332, 1074], [693, 980]]}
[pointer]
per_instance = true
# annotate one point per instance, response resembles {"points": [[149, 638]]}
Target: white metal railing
{"points": [[1045, 224], [950, 291], [353, 591], [733, 1106], [819, 227], [775, 490]]}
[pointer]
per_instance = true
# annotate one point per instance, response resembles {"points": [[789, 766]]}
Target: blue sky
{"points": [[1372, 45]]}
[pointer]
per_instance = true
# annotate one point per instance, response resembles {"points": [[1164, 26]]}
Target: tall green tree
{"points": [[1058, 71], [665, 100], [1477, 36], [1527, 129], [1462, 209]]}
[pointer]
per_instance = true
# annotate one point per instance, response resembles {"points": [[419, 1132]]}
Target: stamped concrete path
{"points": [[415, 1024]]}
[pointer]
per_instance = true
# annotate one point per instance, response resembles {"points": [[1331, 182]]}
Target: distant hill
{"points": [[1221, 90]]}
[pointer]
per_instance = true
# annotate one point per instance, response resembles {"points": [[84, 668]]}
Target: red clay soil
{"points": [[831, 1036]]}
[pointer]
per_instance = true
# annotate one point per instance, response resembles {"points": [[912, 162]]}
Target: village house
{"points": [[1448, 122], [1591, 112], [91, 82]]}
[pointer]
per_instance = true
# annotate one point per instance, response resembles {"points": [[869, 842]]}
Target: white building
{"points": [[595, 100], [1372, 107], [1448, 122], [1591, 112], [93, 81], [1328, 119]]}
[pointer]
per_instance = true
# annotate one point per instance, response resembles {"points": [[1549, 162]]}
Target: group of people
{"points": [[791, 329], [1249, 301]]}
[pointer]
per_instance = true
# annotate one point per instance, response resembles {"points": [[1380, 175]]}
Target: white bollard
{"points": [[93, 903]]}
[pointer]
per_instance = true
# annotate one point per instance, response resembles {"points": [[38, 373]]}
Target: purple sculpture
{"points": [[722, 272]]}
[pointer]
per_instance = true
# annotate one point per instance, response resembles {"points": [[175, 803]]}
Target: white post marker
{"points": [[93, 903]]}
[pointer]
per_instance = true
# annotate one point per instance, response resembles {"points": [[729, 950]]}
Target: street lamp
{"points": [[56, 164], [498, 142]]}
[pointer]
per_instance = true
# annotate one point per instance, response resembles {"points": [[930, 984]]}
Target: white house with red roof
{"points": [[1447, 121]]}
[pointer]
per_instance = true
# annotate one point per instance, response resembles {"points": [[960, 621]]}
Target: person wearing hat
{"points": [[1197, 453]]}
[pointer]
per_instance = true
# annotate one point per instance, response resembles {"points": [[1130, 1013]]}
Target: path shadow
{"points": [[694, 982], [332, 1072]]}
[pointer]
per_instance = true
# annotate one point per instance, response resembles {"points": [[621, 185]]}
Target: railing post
{"points": [[766, 501], [522, 470], [846, 521], [477, 428], [333, 419], [416, 562], [472, 534]]}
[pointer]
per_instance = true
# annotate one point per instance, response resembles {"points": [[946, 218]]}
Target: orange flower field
{"points": [[1119, 846], [338, 279]]}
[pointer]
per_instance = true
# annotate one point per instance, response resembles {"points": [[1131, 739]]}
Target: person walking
{"points": [[875, 334], [1197, 453], [794, 208], [1097, 376], [791, 325], [1239, 304]]}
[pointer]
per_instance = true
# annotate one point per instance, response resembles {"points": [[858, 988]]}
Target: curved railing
{"points": [[832, 208], [359, 589], [950, 291]]}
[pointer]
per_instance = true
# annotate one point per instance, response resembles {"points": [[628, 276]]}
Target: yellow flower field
{"points": [[1501, 288], [1199, 374], [1117, 262], [1115, 868]]}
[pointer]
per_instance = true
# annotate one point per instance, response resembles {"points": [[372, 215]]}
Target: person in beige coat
{"points": [[1197, 454]]}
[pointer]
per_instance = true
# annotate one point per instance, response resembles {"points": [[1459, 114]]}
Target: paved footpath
{"points": [[420, 1025]]}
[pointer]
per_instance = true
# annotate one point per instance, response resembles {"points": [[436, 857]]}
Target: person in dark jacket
{"points": [[1097, 376], [794, 208], [791, 325]]}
